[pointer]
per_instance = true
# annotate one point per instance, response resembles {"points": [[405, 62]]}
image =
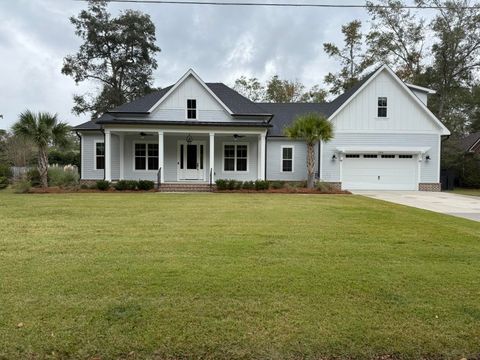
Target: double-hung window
{"points": [[287, 159], [146, 156], [191, 109], [235, 157], [99, 155], [382, 107]]}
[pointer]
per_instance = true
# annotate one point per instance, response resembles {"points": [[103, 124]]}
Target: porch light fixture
{"points": [[428, 158], [236, 136], [334, 157], [189, 139]]}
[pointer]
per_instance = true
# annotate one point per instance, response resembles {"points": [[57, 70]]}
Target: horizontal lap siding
{"points": [[88, 156], [429, 169], [274, 158]]}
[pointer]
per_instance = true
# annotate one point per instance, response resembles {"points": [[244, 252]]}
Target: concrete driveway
{"points": [[467, 207]]}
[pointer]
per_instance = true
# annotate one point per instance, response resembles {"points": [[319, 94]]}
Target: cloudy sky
{"points": [[219, 43]]}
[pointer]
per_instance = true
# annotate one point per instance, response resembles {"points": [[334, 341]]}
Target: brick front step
{"points": [[186, 188]]}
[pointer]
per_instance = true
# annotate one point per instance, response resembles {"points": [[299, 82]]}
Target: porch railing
{"points": [[159, 178]]}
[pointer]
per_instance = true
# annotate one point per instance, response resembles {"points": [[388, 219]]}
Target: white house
{"points": [[194, 132]]}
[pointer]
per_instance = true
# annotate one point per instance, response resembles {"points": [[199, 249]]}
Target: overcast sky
{"points": [[219, 43]]}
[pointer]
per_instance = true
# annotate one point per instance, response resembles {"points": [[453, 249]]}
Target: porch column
{"points": [[161, 164], [261, 156], [122, 155], [212, 157], [108, 156]]}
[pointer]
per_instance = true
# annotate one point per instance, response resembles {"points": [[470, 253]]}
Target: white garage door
{"points": [[379, 172]]}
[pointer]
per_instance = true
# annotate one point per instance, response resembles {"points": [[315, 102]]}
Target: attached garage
{"points": [[380, 172], [381, 168]]}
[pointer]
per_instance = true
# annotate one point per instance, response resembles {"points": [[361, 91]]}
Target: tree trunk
{"points": [[310, 165], [43, 167]]}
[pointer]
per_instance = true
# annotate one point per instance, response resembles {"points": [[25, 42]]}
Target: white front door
{"points": [[380, 172], [191, 161]]}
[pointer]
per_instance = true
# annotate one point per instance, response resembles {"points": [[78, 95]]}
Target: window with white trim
{"points": [[235, 157], [191, 109], [382, 107], [146, 156], [287, 159], [100, 155]]}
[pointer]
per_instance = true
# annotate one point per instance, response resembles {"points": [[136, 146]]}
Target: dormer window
{"points": [[191, 109], [382, 107]]}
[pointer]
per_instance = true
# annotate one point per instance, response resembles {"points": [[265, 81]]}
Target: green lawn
{"points": [[471, 192], [234, 276]]}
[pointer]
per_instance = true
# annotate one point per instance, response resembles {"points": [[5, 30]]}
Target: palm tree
{"points": [[312, 128], [43, 129]]}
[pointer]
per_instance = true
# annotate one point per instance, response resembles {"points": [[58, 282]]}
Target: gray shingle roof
{"points": [[143, 104], [89, 125], [284, 114], [467, 142]]}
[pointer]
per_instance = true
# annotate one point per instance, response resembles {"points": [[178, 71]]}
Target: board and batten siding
{"points": [[274, 160], [429, 169], [173, 108], [404, 114]]}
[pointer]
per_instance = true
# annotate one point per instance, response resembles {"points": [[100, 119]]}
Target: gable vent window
{"points": [[388, 156], [191, 109], [382, 107], [352, 156], [370, 156], [405, 156]]}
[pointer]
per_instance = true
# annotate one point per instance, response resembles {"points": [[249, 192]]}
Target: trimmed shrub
{"points": [[102, 185], [261, 185], [248, 185], [3, 182], [277, 185], [146, 185], [84, 187], [221, 184], [123, 185], [33, 176], [5, 171], [22, 186], [234, 184]]}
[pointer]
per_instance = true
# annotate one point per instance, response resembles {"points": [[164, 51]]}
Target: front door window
{"points": [[191, 157], [191, 161]]}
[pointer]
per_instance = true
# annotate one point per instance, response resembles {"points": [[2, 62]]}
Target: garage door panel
{"points": [[379, 174]]}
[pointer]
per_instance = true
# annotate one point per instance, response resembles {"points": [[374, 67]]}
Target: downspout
{"points": [[80, 164], [105, 166], [266, 147], [318, 159]]}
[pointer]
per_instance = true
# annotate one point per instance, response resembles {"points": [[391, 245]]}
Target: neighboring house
{"points": [[196, 132], [471, 143]]}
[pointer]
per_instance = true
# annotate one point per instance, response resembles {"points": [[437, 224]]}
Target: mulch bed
{"points": [[287, 191], [58, 190]]}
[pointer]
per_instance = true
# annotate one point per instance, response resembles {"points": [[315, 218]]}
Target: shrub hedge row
{"points": [[123, 185], [258, 185]]}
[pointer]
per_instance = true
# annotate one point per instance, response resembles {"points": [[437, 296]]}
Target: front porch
{"points": [[179, 156]]}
